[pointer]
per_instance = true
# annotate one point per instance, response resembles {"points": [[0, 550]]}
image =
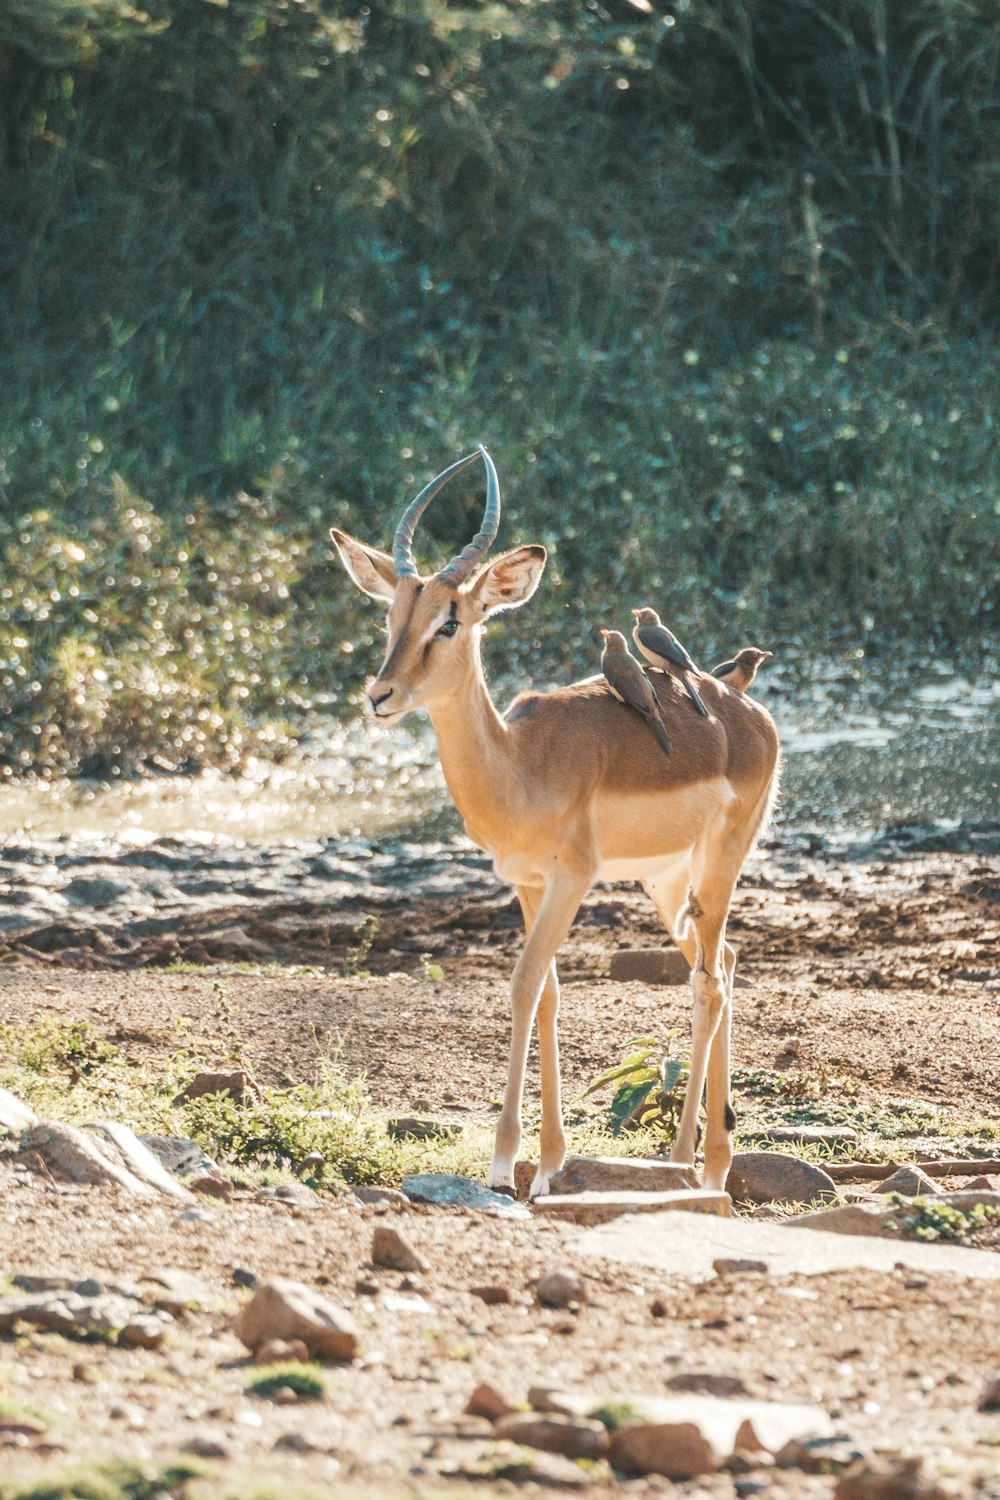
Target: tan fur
{"points": [[567, 787]]}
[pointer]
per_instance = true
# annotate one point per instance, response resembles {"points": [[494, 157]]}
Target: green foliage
{"points": [[650, 1087], [924, 1219], [364, 934], [110, 1481], [615, 1414], [307, 1381], [713, 285]]}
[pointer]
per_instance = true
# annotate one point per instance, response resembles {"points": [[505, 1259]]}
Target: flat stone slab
{"points": [[616, 1174], [598, 1208], [461, 1192], [687, 1244], [15, 1115]]}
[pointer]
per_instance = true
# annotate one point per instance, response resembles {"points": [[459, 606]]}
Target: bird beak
{"points": [[604, 633], [637, 613]]}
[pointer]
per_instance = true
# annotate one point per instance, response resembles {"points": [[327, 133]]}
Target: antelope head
{"points": [[434, 623]]}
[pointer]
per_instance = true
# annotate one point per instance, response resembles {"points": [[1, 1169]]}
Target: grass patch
{"points": [[111, 1481], [307, 1381]]}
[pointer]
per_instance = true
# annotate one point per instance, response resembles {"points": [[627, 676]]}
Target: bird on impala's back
{"points": [[741, 671], [660, 646], [630, 685]]}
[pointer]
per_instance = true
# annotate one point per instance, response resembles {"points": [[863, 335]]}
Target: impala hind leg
{"points": [[669, 894], [533, 973], [552, 1144], [712, 973]]}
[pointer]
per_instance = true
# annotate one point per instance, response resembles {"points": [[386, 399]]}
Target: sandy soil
{"points": [[886, 973]]}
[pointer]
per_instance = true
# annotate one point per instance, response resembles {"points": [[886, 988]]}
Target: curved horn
{"points": [[402, 542], [458, 570]]}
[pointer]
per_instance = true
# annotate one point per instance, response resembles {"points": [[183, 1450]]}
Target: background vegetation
{"points": [[717, 283]]}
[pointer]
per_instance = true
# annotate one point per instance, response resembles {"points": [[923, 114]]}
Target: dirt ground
{"points": [[883, 972]]}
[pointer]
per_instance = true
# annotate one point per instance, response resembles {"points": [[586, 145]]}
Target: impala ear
{"points": [[370, 569], [508, 581]]}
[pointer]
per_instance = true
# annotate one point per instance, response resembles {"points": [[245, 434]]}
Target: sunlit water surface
{"points": [[860, 754]]}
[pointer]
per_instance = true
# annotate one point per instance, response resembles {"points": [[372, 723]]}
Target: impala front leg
{"points": [[554, 918]]}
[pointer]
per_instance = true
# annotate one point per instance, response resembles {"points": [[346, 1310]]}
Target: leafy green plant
{"points": [[924, 1219], [364, 935], [650, 1087]]}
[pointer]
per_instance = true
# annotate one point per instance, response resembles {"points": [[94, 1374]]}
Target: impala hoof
{"points": [[539, 1185]]}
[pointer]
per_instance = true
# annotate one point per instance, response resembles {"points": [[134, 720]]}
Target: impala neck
{"points": [[472, 742]]}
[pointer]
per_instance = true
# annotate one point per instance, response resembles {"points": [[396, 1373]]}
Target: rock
{"points": [[561, 1289], [979, 1184], [73, 1155], [145, 1332], [202, 1446], [210, 1186], [378, 1196], [887, 1479], [724, 1266], [493, 1295], [969, 1199], [422, 1128], [598, 1208], [108, 1314], [573, 1437], [293, 1194], [616, 1174], [678, 1450], [683, 1436], [564, 1403], [650, 966], [234, 1083], [94, 892], [243, 1277], [809, 1135], [686, 1245], [180, 1155], [486, 1401], [21, 1427], [284, 1309], [296, 1442], [390, 1249], [773, 1177], [825, 1455], [873, 1218], [310, 1162], [405, 1302], [281, 1351], [707, 1383], [177, 1291], [14, 1115], [911, 1182], [461, 1192], [990, 1399], [118, 1140]]}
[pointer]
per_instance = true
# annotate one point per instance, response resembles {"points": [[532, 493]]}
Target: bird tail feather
{"points": [[696, 697]]}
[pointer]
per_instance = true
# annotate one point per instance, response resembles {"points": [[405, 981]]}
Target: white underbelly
{"points": [[638, 837]]}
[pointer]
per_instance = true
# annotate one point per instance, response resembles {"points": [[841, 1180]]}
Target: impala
{"points": [[567, 788]]}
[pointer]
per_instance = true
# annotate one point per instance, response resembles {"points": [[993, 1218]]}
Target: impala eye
{"points": [[448, 628]]}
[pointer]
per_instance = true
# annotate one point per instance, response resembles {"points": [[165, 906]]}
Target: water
{"points": [[363, 810], [859, 754]]}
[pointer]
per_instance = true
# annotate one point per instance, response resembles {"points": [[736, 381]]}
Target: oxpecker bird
{"points": [[660, 646], [739, 673], [630, 684]]}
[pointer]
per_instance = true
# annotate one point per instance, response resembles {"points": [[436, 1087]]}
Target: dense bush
{"points": [[719, 287]]}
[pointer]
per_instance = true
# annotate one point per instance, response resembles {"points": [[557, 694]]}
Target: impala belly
{"points": [[637, 837]]}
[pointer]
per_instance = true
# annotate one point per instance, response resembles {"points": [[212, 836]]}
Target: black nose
{"points": [[380, 699]]}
